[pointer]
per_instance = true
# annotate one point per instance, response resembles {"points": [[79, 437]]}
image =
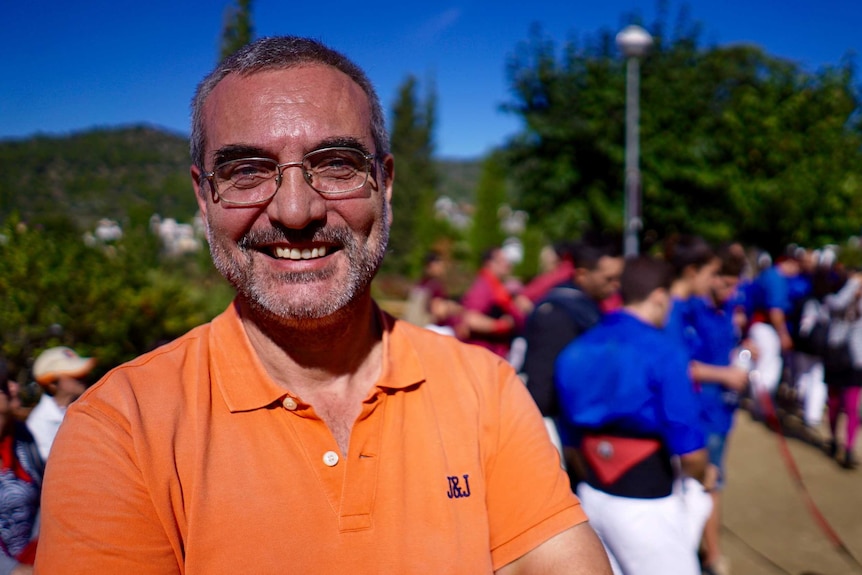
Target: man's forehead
{"points": [[278, 102], [298, 81], [611, 263]]}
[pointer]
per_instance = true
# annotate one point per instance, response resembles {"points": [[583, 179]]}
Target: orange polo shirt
{"points": [[191, 459]]}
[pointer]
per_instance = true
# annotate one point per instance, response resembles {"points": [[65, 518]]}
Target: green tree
{"points": [[238, 28], [111, 301], [735, 144], [414, 228]]}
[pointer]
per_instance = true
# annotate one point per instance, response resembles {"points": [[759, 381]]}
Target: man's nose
{"points": [[296, 204]]}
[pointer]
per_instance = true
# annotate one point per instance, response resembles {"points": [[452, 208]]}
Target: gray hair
{"points": [[278, 53]]}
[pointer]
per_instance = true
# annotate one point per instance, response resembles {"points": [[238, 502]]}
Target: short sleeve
{"points": [[529, 495]]}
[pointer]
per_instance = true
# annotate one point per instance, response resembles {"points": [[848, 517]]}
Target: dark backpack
{"points": [[811, 328]]}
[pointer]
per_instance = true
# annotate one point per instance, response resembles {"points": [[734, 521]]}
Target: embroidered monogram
{"points": [[456, 491]]}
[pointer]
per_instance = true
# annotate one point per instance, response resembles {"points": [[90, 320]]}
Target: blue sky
{"points": [[69, 66]]}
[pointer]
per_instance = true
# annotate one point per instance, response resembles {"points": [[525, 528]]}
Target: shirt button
{"points": [[330, 458], [289, 403]]}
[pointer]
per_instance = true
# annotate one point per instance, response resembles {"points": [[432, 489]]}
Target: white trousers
{"points": [[642, 536], [811, 387], [766, 371], [698, 508]]}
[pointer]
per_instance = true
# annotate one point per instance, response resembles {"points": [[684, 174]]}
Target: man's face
{"points": [[499, 264], [702, 279], [298, 256], [723, 288], [603, 281], [71, 386]]}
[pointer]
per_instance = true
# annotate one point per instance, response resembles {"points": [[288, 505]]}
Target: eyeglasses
{"points": [[329, 171]]}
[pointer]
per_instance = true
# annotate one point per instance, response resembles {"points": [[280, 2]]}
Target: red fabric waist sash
{"points": [[610, 457]]}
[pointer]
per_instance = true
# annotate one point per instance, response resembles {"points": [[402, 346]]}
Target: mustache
{"points": [[260, 238]]}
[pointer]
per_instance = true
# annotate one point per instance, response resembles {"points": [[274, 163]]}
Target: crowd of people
{"points": [[638, 367], [26, 436]]}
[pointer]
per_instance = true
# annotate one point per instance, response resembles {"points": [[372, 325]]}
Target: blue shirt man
{"points": [[628, 375], [628, 404], [717, 339]]}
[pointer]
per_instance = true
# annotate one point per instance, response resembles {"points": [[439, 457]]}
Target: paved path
{"points": [[767, 527]]}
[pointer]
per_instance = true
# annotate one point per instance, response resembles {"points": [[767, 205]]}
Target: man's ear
{"points": [[201, 191], [389, 177]]}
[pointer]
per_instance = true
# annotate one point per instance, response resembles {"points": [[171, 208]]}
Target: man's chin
{"points": [[302, 305]]}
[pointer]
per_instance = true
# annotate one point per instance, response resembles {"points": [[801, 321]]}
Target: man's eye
{"points": [[245, 171]]}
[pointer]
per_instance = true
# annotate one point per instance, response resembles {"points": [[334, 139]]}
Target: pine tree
{"points": [[238, 28], [416, 182]]}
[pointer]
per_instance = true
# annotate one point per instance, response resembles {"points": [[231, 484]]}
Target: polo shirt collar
{"points": [[245, 384]]}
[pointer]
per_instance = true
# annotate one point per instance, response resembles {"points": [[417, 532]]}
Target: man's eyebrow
{"points": [[342, 142], [237, 151]]}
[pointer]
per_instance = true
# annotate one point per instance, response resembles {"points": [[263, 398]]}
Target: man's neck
{"points": [[302, 355], [646, 312], [680, 289], [331, 364]]}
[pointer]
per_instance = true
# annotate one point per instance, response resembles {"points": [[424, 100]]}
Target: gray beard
{"points": [[365, 261]]}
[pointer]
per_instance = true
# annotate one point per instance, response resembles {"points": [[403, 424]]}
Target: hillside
{"points": [[125, 174]]}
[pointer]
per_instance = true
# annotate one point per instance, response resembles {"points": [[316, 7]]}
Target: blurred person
{"points": [[772, 300], [21, 470], [61, 372], [304, 429], [490, 316], [557, 267], [694, 266], [719, 366], [692, 324], [567, 310], [429, 304], [843, 371], [628, 406], [810, 325]]}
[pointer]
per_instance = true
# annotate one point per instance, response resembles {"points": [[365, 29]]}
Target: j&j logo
{"points": [[456, 489]]}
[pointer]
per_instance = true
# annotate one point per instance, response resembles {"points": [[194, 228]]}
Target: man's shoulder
{"points": [[620, 331], [444, 358], [431, 344], [157, 371], [570, 298]]}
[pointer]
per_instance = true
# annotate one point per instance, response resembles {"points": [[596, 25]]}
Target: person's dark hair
{"points": [[732, 262], [682, 251], [641, 276], [563, 249], [586, 253], [488, 254], [279, 53], [431, 257]]}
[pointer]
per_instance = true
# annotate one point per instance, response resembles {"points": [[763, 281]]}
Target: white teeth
{"points": [[296, 254]]}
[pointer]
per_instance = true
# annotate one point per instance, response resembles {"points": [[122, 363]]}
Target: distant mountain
{"points": [[126, 174], [458, 179]]}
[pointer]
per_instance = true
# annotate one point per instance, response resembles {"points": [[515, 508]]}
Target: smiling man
{"points": [[303, 430]]}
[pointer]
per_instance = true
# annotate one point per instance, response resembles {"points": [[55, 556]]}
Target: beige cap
{"points": [[58, 361]]}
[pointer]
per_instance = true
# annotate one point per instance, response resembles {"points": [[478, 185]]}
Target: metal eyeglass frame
{"points": [[211, 177]]}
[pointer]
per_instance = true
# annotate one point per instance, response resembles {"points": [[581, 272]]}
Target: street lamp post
{"points": [[633, 41]]}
